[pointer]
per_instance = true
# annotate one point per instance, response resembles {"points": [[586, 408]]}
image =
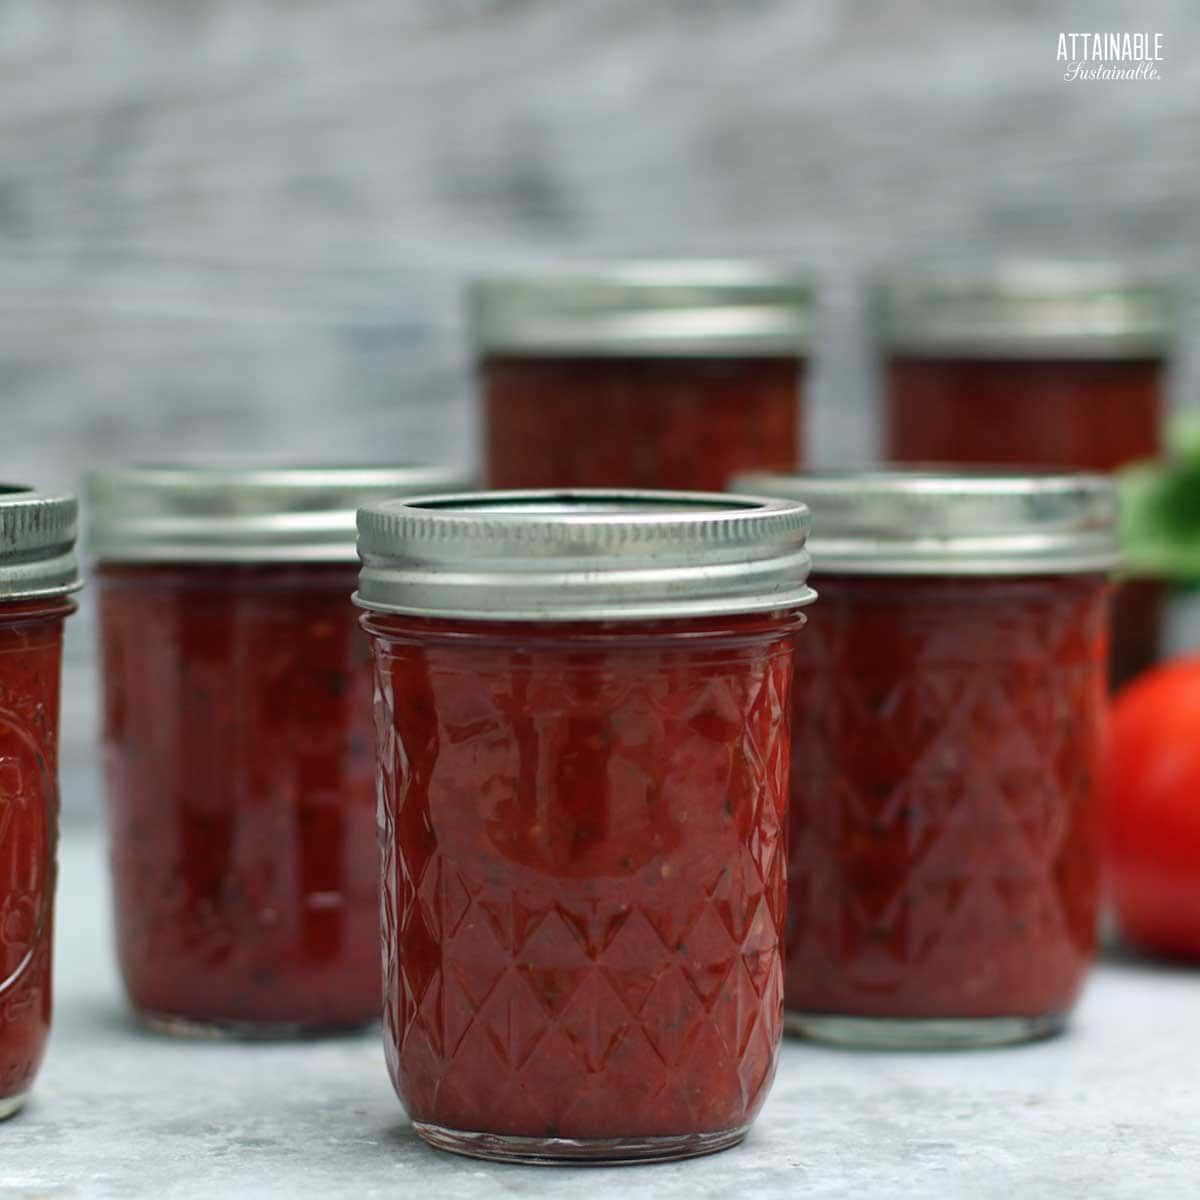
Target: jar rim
{"points": [[582, 554], [935, 519], [230, 511], [1024, 308], [655, 308], [37, 543]]}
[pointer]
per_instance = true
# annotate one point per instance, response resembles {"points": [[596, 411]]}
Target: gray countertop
{"points": [[1110, 1110]]}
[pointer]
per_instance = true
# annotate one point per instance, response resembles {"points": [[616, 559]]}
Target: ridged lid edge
{"points": [[585, 554]]}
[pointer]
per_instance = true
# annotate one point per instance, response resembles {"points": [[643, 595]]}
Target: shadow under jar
{"points": [[1051, 364], [581, 701], [38, 573], [949, 694], [644, 375], [238, 743]]}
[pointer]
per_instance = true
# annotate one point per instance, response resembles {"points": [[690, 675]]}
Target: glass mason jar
{"points": [[38, 574], [949, 694], [238, 743], [1051, 364], [643, 375], [581, 704]]}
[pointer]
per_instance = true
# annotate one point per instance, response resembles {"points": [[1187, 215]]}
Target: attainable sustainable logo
{"points": [[1110, 56]]}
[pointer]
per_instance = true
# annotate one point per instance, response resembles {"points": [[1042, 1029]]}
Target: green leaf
{"points": [[1160, 512]]}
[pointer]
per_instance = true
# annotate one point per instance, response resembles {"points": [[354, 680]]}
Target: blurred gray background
{"points": [[242, 224]]}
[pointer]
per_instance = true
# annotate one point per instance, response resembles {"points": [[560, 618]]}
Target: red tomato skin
{"points": [[1152, 807]]}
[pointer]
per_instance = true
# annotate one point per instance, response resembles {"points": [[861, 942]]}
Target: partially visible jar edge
{"points": [[45, 579], [936, 519], [223, 514], [996, 347], [38, 559], [916, 562], [725, 348], [227, 556]]}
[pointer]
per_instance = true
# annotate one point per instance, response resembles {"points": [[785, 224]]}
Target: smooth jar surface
{"points": [[943, 871], [30, 671], [582, 831], [679, 423], [1064, 413], [240, 772], [1097, 415]]}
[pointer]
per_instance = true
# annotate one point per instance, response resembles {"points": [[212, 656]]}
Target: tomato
{"points": [[1151, 785]]}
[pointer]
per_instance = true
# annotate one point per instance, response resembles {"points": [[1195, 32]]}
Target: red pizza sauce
{"points": [[943, 833], [1068, 413], [583, 874], [670, 422], [239, 758], [30, 663]]}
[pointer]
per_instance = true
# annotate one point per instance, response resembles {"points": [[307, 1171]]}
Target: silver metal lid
{"points": [[37, 544], [257, 513], [950, 521], [717, 308], [590, 554], [1025, 309]]}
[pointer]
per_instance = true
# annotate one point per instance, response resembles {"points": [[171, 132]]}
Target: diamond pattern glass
{"points": [[30, 659], [583, 876], [943, 826]]}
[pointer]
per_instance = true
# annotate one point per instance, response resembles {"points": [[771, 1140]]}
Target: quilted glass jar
{"points": [[38, 573], [949, 692], [643, 375], [1051, 364], [581, 705], [238, 744]]}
